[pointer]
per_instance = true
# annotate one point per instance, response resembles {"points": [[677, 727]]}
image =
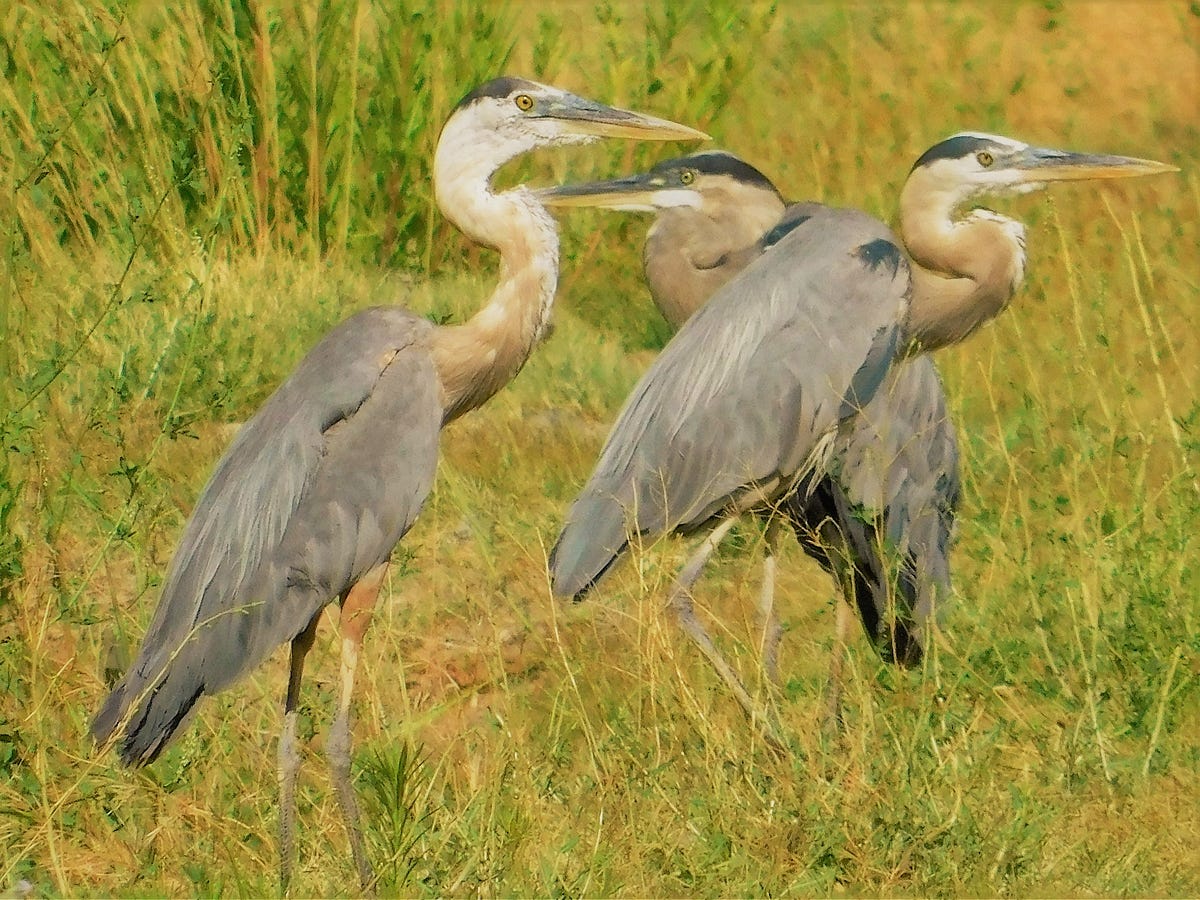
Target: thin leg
{"points": [[769, 622], [681, 604], [357, 606], [833, 700], [289, 755]]}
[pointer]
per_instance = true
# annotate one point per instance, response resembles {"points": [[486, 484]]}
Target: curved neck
{"points": [[474, 360], [690, 253], [965, 271]]}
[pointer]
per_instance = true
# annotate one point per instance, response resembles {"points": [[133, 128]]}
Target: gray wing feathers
{"points": [[316, 490], [745, 392], [592, 538], [901, 459]]}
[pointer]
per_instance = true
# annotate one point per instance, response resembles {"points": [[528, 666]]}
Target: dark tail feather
{"points": [[896, 638], [109, 717], [885, 604], [888, 623], [832, 532], [570, 585], [904, 645], [176, 665], [147, 728]]}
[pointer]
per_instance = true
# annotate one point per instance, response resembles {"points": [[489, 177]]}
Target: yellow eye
{"points": [[524, 102], [687, 176], [984, 158]]}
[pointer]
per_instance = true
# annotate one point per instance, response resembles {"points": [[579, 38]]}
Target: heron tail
{"points": [[891, 602], [591, 541], [886, 594], [901, 640], [175, 667], [147, 716], [111, 712]]}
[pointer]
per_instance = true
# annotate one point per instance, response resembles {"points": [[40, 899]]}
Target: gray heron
{"points": [[319, 486], [756, 401], [714, 215]]}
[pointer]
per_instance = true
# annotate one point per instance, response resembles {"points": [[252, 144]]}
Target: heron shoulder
{"points": [[813, 244], [335, 376]]}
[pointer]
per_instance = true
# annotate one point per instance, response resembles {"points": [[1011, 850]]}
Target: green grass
{"points": [[193, 195]]}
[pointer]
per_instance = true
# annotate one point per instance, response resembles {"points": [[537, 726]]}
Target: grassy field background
{"points": [[194, 192]]}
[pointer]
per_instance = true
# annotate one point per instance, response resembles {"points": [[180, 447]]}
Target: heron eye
{"points": [[687, 176], [524, 102], [984, 158]]}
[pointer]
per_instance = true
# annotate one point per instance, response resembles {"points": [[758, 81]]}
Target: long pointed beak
{"points": [[636, 193], [1040, 165], [583, 116]]}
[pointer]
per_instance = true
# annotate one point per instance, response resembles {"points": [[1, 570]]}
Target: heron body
{"points": [[763, 399], [752, 393], [319, 486], [315, 491], [714, 214]]}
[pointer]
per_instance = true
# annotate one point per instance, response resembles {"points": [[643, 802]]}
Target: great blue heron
{"points": [[753, 403], [714, 215], [320, 485]]}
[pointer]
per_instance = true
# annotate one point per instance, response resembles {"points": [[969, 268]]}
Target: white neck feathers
{"points": [[476, 359]]}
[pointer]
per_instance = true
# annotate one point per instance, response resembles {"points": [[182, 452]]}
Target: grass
{"points": [[186, 185]]}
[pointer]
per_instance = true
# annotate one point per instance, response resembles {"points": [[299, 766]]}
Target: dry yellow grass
{"points": [[1051, 746]]}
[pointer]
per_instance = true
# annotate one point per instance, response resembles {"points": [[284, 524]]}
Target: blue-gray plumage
{"points": [[318, 487], [315, 491], [889, 551], [751, 393]]}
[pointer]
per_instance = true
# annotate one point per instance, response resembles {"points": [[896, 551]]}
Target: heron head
{"points": [[970, 164], [515, 115], [694, 181]]}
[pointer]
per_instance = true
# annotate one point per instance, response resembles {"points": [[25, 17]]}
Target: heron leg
{"points": [[289, 754], [771, 632], [681, 604], [357, 605], [833, 698]]}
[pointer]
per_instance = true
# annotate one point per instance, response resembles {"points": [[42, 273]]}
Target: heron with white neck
{"points": [[321, 484], [773, 390]]}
